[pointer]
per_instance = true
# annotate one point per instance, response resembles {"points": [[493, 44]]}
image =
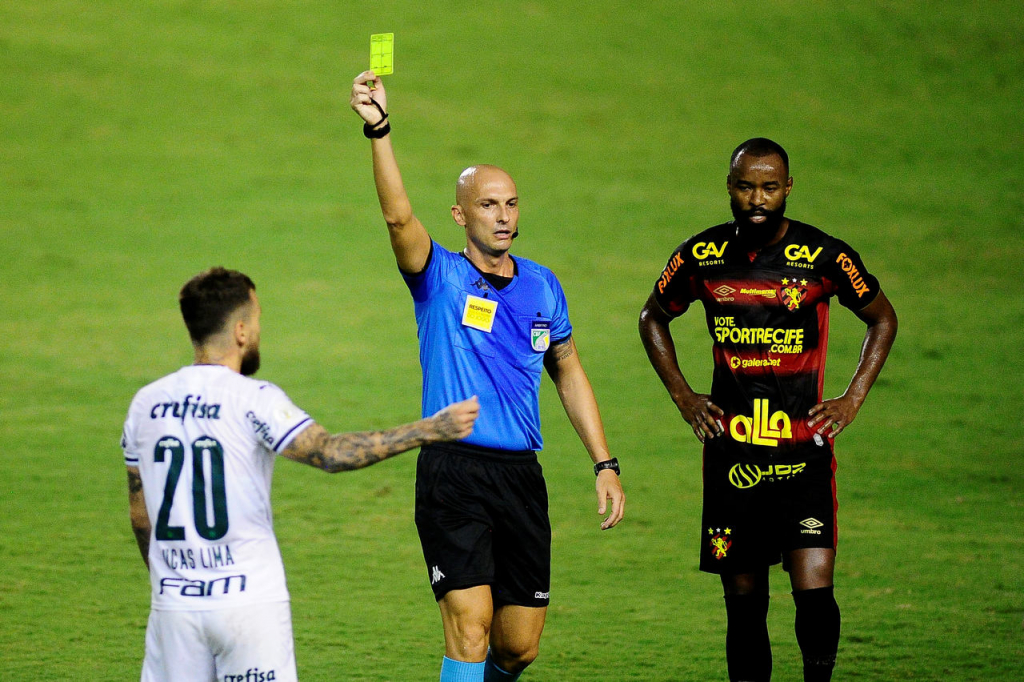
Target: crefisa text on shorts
{"points": [[252, 675]]}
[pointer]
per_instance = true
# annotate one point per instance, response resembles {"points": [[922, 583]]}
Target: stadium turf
{"points": [[142, 142]]}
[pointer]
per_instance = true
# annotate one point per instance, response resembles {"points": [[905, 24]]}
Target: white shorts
{"points": [[243, 644]]}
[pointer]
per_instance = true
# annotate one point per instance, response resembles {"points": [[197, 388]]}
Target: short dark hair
{"points": [[209, 298], [759, 147]]}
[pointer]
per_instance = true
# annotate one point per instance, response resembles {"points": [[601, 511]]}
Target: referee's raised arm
{"points": [[409, 239]]}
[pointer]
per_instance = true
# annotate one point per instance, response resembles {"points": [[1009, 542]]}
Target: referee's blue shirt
{"points": [[454, 304]]}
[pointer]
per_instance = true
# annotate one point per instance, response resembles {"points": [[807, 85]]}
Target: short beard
{"points": [[250, 362], [753, 233]]}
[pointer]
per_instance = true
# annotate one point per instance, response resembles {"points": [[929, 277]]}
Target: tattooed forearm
{"points": [[139, 516], [347, 451], [562, 351]]}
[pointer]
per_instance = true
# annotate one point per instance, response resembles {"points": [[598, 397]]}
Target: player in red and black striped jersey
{"points": [[769, 487]]}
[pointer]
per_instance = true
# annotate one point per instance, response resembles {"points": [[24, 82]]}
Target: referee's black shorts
{"points": [[482, 517], [756, 512]]}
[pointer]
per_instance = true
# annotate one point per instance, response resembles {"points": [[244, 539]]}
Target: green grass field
{"points": [[143, 142]]}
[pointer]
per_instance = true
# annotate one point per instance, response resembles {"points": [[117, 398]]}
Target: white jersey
{"points": [[204, 439]]}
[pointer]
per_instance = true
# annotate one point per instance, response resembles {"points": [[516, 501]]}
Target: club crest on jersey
{"points": [[793, 292], [720, 542], [540, 335]]}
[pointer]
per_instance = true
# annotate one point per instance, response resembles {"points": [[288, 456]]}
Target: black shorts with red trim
{"points": [[482, 517], [756, 512]]}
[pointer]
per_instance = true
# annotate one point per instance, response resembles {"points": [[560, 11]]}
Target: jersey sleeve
{"points": [[274, 418], [422, 284], [855, 286], [561, 328], [128, 446], [674, 291]]}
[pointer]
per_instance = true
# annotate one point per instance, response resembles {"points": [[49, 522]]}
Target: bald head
{"points": [[473, 178]]}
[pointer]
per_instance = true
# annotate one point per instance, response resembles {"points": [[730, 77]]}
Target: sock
{"points": [[817, 631], [460, 671], [747, 649], [492, 673]]}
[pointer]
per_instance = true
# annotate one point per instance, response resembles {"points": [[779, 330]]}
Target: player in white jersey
{"points": [[202, 443]]}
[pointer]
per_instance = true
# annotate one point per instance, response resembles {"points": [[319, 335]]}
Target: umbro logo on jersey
{"points": [[723, 290], [436, 575], [812, 525]]}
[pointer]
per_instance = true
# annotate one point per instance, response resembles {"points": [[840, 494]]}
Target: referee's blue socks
{"points": [[460, 671], [492, 673], [817, 631], [747, 649]]}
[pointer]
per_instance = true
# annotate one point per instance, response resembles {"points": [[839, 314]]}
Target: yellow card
{"points": [[382, 53]]}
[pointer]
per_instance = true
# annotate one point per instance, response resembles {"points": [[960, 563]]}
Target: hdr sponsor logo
{"points": [[745, 476], [252, 675], [847, 266], [737, 362], [669, 272], [704, 250], [762, 429]]}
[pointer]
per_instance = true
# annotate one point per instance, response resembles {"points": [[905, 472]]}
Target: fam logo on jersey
{"points": [[720, 542], [762, 429], [793, 293], [704, 250], [745, 476], [540, 335]]}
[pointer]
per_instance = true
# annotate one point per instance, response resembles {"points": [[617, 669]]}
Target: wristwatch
{"points": [[612, 464]]}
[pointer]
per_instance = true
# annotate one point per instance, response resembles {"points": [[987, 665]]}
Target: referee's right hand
{"points": [[363, 97], [455, 422]]}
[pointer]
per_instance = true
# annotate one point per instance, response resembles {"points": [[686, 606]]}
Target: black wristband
{"points": [[374, 133], [612, 464]]}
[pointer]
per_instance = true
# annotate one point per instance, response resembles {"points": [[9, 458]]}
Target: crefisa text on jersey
{"points": [[216, 556], [252, 675], [186, 408]]}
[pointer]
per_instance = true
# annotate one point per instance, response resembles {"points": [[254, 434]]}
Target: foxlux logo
{"points": [[252, 675]]}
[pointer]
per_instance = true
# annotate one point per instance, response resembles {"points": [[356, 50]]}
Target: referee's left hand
{"points": [[610, 488]]}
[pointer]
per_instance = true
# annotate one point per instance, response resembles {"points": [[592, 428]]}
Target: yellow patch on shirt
{"points": [[479, 313]]}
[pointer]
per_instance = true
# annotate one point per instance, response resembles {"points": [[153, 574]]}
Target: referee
{"points": [[487, 324]]}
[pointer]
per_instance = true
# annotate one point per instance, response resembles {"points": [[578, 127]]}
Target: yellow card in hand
{"points": [[382, 53]]}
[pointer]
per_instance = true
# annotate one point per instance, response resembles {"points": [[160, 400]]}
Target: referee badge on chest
{"points": [[540, 335], [479, 313]]}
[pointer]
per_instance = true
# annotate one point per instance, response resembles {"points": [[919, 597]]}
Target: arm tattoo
{"points": [[562, 351], [139, 516], [348, 451]]}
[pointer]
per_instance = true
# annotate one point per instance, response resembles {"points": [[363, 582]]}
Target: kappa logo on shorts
{"points": [[542, 595], [720, 542], [811, 525], [436, 575]]}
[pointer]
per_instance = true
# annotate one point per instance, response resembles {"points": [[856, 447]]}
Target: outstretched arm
{"points": [[137, 510], [409, 239], [832, 416], [348, 451], [577, 396], [696, 408]]}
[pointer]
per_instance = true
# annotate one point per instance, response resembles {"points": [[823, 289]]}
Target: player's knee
{"points": [[470, 637], [515, 657]]}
